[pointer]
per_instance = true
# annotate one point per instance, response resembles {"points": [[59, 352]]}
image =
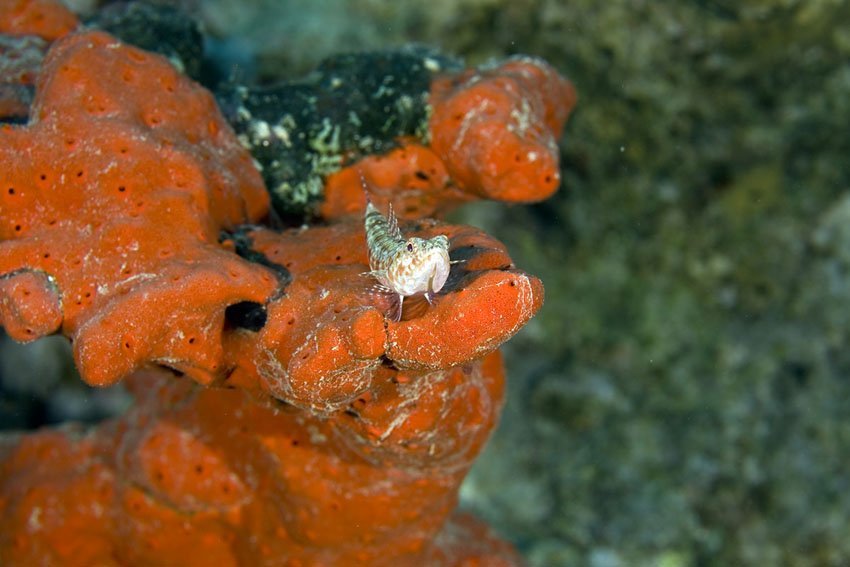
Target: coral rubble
{"points": [[494, 129], [119, 206], [47, 19], [193, 474], [280, 417], [497, 129], [350, 106]]}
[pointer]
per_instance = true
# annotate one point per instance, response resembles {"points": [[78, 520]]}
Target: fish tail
{"points": [[381, 242], [365, 187]]}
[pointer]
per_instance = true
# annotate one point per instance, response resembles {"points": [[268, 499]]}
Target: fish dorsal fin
{"points": [[392, 224], [392, 220]]}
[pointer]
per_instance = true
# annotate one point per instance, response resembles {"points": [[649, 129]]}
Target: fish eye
{"points": [[410, 247]]}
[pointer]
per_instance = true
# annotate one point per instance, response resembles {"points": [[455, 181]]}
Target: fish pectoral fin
{"points": [[380, 289]]}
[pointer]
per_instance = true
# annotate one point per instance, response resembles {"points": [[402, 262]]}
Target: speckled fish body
{"points": [[405, 266]]}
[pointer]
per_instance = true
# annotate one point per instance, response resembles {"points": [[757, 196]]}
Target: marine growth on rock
{"points": [[281, 418]]}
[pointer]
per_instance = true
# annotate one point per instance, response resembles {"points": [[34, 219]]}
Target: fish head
{"points": [[423, 266]]}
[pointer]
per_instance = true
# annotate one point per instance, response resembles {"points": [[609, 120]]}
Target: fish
{"points": [[404, 266]]}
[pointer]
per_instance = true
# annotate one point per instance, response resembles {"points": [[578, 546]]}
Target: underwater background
{"points": [[683, 397]]}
